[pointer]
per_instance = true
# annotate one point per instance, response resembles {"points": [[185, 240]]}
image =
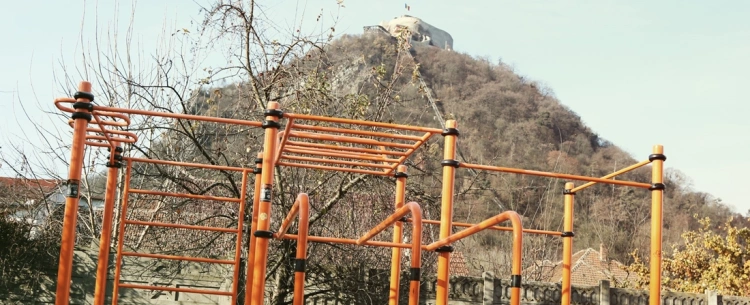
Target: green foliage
{"points": [[708, 259]]}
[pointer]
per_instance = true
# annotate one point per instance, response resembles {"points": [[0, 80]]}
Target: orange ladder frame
{"points": [[104, 133]]}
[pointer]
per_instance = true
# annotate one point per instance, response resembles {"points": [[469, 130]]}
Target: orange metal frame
{"points": [[314, 142]]}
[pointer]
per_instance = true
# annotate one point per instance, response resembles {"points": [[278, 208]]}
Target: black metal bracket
{"points": [[444, 249], [450, 132], [567, 234], [274, 112], [270, 124], [415, 274], [453, 163], [81, 115], [653, 157], [263, 234], [81, 94], [299, 265], [515, 281], [657, 187]]}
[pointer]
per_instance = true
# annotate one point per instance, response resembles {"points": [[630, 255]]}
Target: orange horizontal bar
{"points": [[348, 241], [352, 163], [619, 172], [358, 132], [333, 168], [179, 258], [177, 289], [349, 148], [499, 228], [554, 175], [179, 226], [191, 196], [331, 153], [196, 165], [180, 116], [327, 137], [364, 123]]}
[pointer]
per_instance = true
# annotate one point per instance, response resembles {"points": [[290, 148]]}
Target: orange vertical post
{"points": [[271, 125], [106, 237], [253, 227], [301, 258], [401, 176], [446, 210], [238, 249], [657, 159], [81, 118], [567, 236], [121, 231]]}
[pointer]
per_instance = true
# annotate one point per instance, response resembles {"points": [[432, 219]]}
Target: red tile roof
{"points": [[588, 268]]}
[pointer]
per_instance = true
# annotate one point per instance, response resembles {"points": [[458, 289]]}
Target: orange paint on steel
{"points": [[348, 241], [396, 216], [515, 291], [106, 135], [363, 123], [341, 162], [657, 196], [121, 231], [253, 227], [329, 153], [499, 228], [347, 139], [324, 167], [348, 148], [416, 252], [397, 239], [567, 243], [106, 236], [415, 146], [67, 244], [284, 138], [300, 208], [446, 215], [179, 226], [416, 244], [554, 175], [238, 249], [179, 258], [347, 153], [176, 289], [612, 175], [179, 116], [196, 165], [358, 132], [264, 206], [179, 195], [299, 272]]}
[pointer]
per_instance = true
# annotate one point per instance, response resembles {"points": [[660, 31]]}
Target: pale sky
{"points": [[638, 73]]}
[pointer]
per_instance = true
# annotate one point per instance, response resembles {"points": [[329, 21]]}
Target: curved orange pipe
{"points": [[416, 243], [515, 290], [301, 207]]}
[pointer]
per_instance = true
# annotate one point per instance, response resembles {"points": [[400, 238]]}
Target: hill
{"points": [[504, 120]]}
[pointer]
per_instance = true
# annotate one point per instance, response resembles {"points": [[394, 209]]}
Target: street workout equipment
{"points": [[314, 147]]}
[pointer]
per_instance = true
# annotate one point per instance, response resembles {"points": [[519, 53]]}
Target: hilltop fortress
{"points": [[422, 32]]}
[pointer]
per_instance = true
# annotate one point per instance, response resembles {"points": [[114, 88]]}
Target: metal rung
{"points": [[180, 258], [148, 192], [179, 226], [163, 288]]}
